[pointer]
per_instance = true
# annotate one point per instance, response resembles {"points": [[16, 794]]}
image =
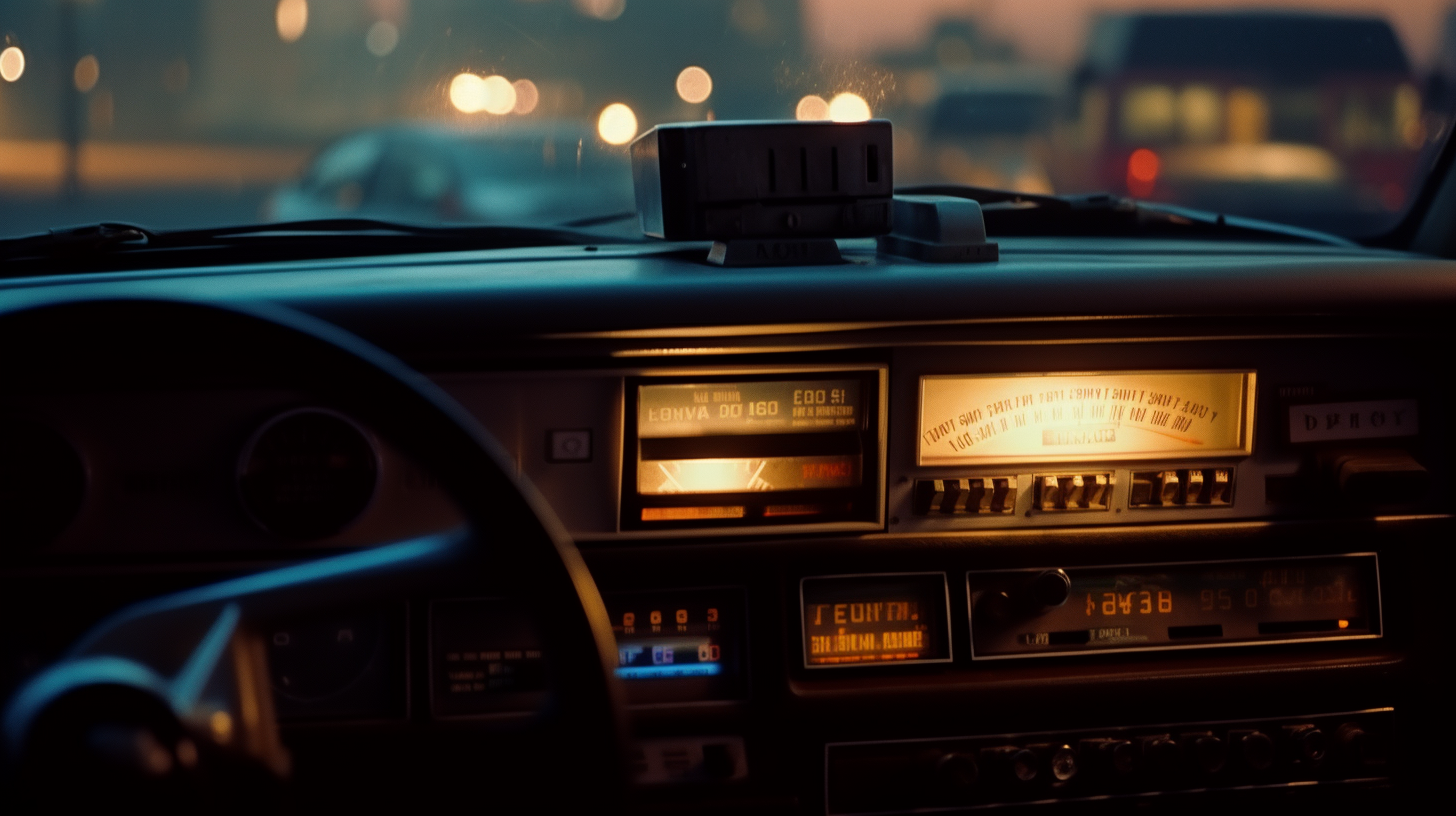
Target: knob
{"points": [[1164, 754], [1024, 766], [957, 772], [1207, 753], [1257, 749], [1064, 763], [1352, 740], [1049, 588], [1309, 743], [1119, 756]]}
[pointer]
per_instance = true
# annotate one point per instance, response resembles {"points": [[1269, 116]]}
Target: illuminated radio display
{"points": [[1085, 416], [1174, 606], [679, 646], [867, 620], [720, 451]]}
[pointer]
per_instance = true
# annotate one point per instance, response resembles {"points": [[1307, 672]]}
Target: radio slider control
{"points": [[1077, 491], [995, 494], [1195, 487]]}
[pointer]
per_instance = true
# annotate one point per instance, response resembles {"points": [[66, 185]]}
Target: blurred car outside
{"points": [[989, 128], [1313, 118], [426, 173]]}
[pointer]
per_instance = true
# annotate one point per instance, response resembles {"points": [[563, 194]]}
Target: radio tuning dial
{"points": [[1049, 588], [1351, 738], [1257, 749]]}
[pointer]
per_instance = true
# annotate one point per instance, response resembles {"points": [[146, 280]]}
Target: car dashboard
{"points": [[1107, 521]]}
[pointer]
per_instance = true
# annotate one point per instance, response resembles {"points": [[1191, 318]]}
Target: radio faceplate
{"points": [[754, 449], [1079, 610]]}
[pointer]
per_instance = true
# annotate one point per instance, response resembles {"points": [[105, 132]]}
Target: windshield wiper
{"points": [[113, 246], [1009, 213]]}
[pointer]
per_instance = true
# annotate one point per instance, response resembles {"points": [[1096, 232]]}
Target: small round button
{"points": [[1064, 763], [1024, 766], [1258, 750], [957, 772], [1209, 753]]}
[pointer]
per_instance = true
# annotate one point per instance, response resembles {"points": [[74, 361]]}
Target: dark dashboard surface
{"points": [[742, 696]]}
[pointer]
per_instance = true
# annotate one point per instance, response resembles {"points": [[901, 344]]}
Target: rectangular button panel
{"points": [[990, 494], [1197, 487], [1073, 491]]}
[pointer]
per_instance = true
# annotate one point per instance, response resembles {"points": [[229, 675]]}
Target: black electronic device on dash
{"points": [[765, 192]]}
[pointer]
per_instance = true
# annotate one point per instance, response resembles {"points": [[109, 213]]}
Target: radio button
{"points": [[1207, 753], [1167, 483], [956, 773], [1353, 744], [1309, 744], [1220, 487], [1255, 748]]}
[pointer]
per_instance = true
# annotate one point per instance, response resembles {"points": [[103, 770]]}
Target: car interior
{"points": [[830, 495]]}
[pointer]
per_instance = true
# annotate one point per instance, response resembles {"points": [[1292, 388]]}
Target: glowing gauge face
{"points": [[1091, 416], [747, 475]]}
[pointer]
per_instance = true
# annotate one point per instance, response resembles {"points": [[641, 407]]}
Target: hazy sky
{"points": [[1052, 30]]}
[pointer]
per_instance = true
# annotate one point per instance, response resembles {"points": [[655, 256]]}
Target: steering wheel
{"points": [[168, 701]]}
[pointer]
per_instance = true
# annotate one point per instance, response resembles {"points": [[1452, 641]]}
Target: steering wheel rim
{"points": [[127, 343]]}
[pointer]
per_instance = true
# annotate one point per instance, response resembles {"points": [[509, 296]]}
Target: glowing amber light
{"points": [[617, 124], [1344, 624], [467, 93], [848, 107], [12, 64], [811, 108], [222, 726], [527, 96], [601, 9], [694, 84], [291, 17], [87, 73], [1089, 416], [500, 95]]}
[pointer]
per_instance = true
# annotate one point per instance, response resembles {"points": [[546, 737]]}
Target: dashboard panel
{"points": [[934, 561]]}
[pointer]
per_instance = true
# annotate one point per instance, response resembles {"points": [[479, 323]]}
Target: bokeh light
{"points": [[811, 108], [500, 95], [467, 93], [527, 96], [694, 85], [848, 107], [617, 124], [87, 73], [383, 36], [601, 9], [291, 17], [12, 63]]}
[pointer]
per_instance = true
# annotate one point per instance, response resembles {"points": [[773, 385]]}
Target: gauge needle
{"points": [[753, 480], [663, 467]]}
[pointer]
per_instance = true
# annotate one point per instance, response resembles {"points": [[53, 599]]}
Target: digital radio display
{"points": [[1086, 416], [772, 406], [723, 451], [858, 620], [679, 646], [1174, 605]]}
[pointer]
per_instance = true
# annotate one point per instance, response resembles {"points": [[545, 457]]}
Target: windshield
{"points": [[1323, 114]]}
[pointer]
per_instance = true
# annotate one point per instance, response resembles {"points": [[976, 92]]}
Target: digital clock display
{"points": [[679, 646], [760, 407], [859, 620], [1176, 606]]}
